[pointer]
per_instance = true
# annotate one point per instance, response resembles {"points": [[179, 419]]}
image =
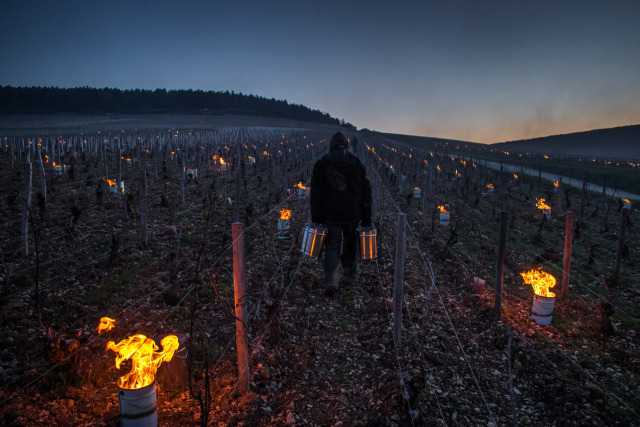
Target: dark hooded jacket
{"points": [[340, 189]]}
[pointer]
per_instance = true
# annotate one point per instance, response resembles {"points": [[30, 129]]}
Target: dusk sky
{"points": [[476, 70]]}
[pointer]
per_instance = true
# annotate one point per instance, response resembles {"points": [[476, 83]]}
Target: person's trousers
{"points": [[339, 236]]}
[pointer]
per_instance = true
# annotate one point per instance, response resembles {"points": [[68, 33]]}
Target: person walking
{"points": [[340, 198]]}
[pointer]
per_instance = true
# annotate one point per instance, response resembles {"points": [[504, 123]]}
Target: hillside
{"points": [[618, 142], [86, 100]]}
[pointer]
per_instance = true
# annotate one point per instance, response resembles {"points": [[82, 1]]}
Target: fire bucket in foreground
{"points": [[173, 375], [543, 298], [367, 237], [313, 239], [542, 309], [138, 406]]}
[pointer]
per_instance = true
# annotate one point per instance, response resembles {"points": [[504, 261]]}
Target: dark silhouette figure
{"points": [[341, 199]]}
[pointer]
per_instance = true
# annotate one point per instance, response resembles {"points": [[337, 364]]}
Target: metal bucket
{"points": [[173, 375], [283, 224], [416, 193], [313, 239], [542, 309], [547, 213], [367, 237], [444, 218], [138, 406], [303, 193]]}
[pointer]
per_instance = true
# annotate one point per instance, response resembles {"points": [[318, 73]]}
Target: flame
{"points": [[144, 357], [489, 185], [285, 214], [442, 209], [546, 157], [556, 183], [300, 185], [540, 281], [222, 162], [110, 182], [626, 200], [106, 324], [542, 205], [515, 175]]}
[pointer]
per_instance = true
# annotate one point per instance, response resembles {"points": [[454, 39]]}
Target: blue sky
{"points": [[483, 71]]}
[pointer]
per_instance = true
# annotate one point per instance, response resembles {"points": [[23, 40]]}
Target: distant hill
{"points": [[86, 100], [619, 142], [420, 142]]}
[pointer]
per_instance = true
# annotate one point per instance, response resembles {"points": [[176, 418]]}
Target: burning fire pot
{"points": [[284, 223], [416, 193], [137, 390], [546, 209], [445, 216], [543, 299], [367, 236], [313, 239], [173, 375], [303, 192], [192, 173]]}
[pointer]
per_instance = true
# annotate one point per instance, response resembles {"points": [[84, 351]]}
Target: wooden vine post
{"points": [[621, 233], [238, 167], [184, 175], [502, 240], [566, 269], [398, 280], [43, 178], [143, 196], [27, 203], [559, 190], [237, 234]]}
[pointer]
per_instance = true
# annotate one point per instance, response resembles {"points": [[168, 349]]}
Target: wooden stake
{"points": [[238, 167], [502, 240], [143, 197], [398, 281], [183, 175], [559, 207], [568, 239], [239, 296], [27, 203], [623, 229]]}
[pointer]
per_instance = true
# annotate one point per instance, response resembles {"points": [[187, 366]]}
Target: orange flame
{"points": [[515, 175], [106, 324], [540, 281], [556, 183], [489, 185], [542, 205], [222, 162], [300, 185], [110, 182], [285, 214], [144, 357], [626, 200], [442, 209]]}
